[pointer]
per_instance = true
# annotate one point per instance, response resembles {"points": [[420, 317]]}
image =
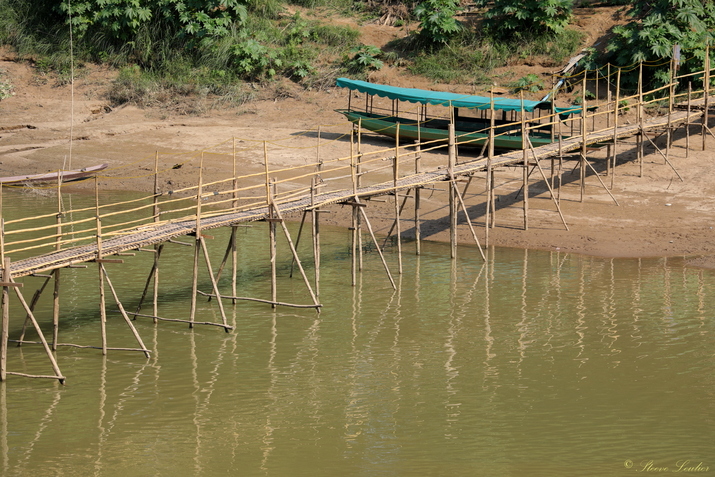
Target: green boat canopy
{"points": [[450, 99]]}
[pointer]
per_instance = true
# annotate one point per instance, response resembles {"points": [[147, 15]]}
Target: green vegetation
{"points": [[437, 20], [469, 57], [658, 26], [527, 18], [167, 49], [530, 83]]}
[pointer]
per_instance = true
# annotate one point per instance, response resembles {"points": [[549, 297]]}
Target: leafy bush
{"points": [[530, 83], [659, 25], [365, 58], [437, 19], [506, 18]]}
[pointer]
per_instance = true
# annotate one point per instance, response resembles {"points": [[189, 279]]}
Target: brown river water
{"points": [[534, 363]]}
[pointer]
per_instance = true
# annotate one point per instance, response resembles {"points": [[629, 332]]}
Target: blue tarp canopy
{"points": [[449, 99]]}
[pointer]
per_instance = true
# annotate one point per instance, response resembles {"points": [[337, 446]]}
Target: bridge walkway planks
{"points": [[149, 234]]}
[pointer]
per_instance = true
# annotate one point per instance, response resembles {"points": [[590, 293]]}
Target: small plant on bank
{"points": [[364, 58], [530, 83]]}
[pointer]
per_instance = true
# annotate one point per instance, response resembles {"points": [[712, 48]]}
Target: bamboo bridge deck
{"points": [[150, 235]]}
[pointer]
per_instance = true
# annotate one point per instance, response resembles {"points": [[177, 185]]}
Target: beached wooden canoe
{"points": [[467, 133], [49, 177]]}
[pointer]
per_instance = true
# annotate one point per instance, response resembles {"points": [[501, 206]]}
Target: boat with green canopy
{"points": [[467, 112]]}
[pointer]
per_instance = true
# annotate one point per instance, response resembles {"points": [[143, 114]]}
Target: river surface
{"points": [[533, 364]]}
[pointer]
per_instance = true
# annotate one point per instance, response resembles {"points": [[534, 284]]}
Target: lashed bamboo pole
{"points": [[641, 131], [102, 299], [157, 247], [687, 122], [197, 245], [616, 105], [418, 190], [150, 279], [354, 216], [5, 323], [583, 138], [315, 215], [124, 313], [294, 252], [706, 93], [272, 244], [525, 172], [33, 303], [489, 215], [214, 285], [58, 374], [377, 246], [395, 178], [56, 290], [469, 222], [452, 201]]}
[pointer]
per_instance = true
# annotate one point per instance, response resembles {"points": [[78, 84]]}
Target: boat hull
{"points": [[67, 176], [476, 136]]}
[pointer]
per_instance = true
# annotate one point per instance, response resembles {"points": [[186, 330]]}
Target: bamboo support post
{"points": [[297, 240], [58, 247], [671, 95], [272, 247], [600, 180], [706, 93], [124, 313], [214, 285], [488, 217], [525, 174], [150, 279], [157, 247], [33, 303], [377, 246], [469, 223], [197, 244], [315, 214], [395, 178], [687, 122], [294, 252], [5, 323], [8, 278], [616, 106], [583, 138], [418, 190], [102, 299], [452, 200], [353, 245], [641, 131]]}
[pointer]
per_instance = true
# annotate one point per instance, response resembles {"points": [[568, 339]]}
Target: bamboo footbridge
{"points": [[42, 246]]}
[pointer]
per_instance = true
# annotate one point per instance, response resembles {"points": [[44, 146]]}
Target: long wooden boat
{"points": [[49, 177], [469, 130], [467, 133]]}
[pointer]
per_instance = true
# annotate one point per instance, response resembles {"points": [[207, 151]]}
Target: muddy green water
{"points": [[535, 363]]}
